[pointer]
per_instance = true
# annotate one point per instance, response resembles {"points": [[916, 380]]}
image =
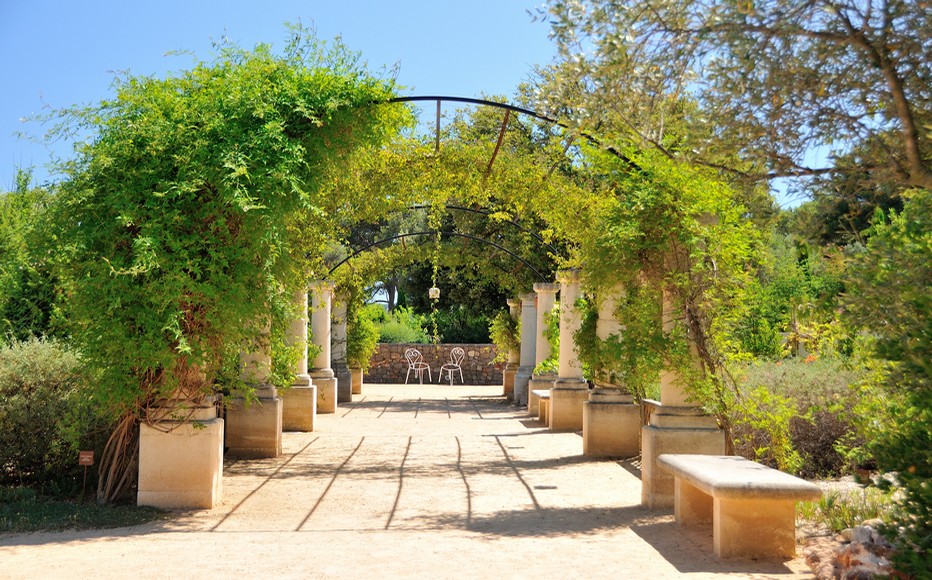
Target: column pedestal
{"points": [[611, 424], [356, 374], [508, 379], [522, 379], [344, 379], [674, 430], [567, 398], [182, 468], [326, 390], [299, 405], [255, 431]]}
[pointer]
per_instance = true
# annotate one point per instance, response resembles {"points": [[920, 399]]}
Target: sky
{"points": [[58, 53]]}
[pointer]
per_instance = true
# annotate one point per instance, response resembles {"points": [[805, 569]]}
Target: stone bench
{"points": [[752, 507], [542, 397]]}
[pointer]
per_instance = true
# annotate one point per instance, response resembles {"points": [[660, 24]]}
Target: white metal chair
{"points": [[456, 359], [416, 363]]}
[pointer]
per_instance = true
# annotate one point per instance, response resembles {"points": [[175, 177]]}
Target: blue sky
{"points": [[59, 53]]}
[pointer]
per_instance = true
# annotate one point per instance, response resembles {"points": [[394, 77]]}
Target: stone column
{"points": [[546, 297], [611, 420], [570, 391], [511, 367], [321, 296], [254, 429], [338, 353], [528, 345], [299, 402], [674, 427]]}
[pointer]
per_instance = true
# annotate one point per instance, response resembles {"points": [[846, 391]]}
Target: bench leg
{"points": [[690, 504], [754, 528]]}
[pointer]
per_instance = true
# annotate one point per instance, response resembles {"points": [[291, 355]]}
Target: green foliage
{"points": [[551, 331], [505, 333], [458, 325], [362, 335], [46, 415], [762, 424], [838, 510], [889, 298], [402, 325], [191, 208], [796, 414], [29, 292]]}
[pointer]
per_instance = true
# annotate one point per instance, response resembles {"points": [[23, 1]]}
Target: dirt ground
{"points": [[406, 482]]}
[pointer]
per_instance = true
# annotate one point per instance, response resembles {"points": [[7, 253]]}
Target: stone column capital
{"points": [[513, 303], [527, 298], [546, 288]]}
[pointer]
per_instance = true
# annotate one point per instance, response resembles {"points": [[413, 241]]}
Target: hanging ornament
{"points": [[433, 293]]}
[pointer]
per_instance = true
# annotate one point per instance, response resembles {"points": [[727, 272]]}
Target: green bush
{"points": [[362, 337], [459, 326], [551, 364], [795, 414], [505, 333], [46, 416], [402, 325]]}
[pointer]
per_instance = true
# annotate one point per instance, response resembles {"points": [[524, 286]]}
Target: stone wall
{"points": [[388, 364]]}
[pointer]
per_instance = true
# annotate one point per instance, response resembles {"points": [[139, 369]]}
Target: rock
{"points": [[846, 534]]}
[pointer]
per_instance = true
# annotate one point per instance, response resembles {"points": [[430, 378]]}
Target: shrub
{"points": [[459, 326], [362, 337], [402, 325], [46, 415], [795, 414], [505, 334]]}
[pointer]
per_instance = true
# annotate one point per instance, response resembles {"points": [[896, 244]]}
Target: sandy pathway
{"points": [[406, 482]]}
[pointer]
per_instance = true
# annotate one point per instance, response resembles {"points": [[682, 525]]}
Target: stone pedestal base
{"points": [[254, 431], [344, 384], [508, 379], [522, 378], [356, 374], [299, 408], [566, 405], [674, 430], [326, 391], [182, 468], [611, 425]]}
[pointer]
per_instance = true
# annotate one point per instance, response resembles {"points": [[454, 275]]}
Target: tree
{"points": [[772, 79], [889, 299]]}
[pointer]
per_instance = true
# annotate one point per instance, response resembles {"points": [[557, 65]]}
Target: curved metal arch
{"points": [[513, 223], [433, 233], [509, 107]]}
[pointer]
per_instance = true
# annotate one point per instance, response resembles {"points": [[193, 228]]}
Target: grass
{"points": [[837, 510], [22, 511]]}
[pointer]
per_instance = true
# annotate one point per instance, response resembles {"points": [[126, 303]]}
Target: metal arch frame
{"points": [[507, 107], [512, 223], [433, 233]]}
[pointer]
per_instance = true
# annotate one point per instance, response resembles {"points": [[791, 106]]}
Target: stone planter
{"points": [[356, 374]]}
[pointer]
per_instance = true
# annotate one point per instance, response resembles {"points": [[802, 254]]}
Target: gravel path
{"points": [[406, 482]]}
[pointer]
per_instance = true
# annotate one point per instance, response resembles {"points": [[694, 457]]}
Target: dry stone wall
{"points": [[388, 364]]}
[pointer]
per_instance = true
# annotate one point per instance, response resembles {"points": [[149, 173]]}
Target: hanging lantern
{"points": [[433, 293]]}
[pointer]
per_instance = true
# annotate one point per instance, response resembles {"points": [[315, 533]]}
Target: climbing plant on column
{"points": [[181, 212], [668, 228]]}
